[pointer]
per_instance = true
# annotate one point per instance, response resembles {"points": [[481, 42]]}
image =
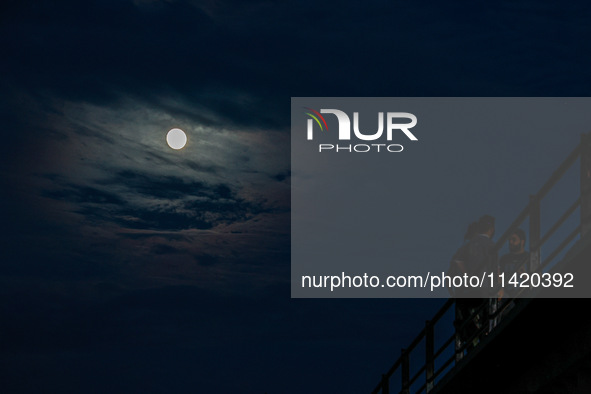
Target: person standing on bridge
{"points": [[474, 258], [515, 262]]}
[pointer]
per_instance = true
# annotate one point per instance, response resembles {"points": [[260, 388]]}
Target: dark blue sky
{"points": [[126, 266]]}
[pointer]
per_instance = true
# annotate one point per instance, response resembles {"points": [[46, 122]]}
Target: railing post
{"points": [[585, 184], [429, 355], [405, 372], [493, 307], [534, 233], [385, 384], [457, 340]]}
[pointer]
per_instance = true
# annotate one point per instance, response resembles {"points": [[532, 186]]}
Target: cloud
{"points": [[164, 249], [83, 195], [206, 259], [280, 177], [138, 201]]}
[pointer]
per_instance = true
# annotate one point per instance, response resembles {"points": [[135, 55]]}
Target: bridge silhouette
{"points": [[534, 343]]}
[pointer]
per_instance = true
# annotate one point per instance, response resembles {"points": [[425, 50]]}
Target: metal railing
{"points": [[491, 310]]}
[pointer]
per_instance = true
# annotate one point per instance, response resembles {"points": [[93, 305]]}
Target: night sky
{"points": [[126, 266]]}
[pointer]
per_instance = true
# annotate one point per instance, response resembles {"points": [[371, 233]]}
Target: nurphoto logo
{"points": [[393, 125]]}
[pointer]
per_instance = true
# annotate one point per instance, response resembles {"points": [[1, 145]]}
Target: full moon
{"points": [[176, 138]]}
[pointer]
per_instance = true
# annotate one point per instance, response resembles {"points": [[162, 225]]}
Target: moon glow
{"points": [[176, 138]]}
